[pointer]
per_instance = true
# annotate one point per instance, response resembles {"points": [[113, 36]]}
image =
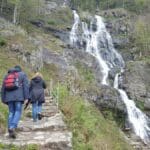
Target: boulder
{"points": [[108, 98]]}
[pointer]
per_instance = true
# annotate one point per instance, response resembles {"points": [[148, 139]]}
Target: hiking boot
{"points": [[12, 133], [39, 116]]}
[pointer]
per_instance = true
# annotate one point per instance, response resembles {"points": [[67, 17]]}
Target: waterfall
{"points": [[97, 41], [74, 30], [91, 38], [137, 119]]}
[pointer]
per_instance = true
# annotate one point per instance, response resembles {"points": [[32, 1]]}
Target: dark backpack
{"points": [[11, 81]]}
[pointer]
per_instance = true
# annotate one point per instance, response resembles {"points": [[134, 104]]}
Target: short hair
{"points": [[18, 68]]}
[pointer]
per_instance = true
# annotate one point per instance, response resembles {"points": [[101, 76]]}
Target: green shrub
{"points": [[2, 41], [140, 104], [51, 22], [3, 116]]}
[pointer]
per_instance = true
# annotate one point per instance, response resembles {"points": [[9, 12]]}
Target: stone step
{"points": [[51, 140], [48, 104], [49, 98], [50, 133], [49, 101], [53, 123], [47, 111]]}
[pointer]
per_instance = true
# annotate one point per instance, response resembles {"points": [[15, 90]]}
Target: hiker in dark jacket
{"points": [[14, 98], [37, 97]]}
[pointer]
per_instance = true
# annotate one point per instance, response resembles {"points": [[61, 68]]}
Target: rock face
{"points": [[120, 26], [50, 133], [103, 96], [108, 99], [75, 56], [147, 104], [137, 80]]}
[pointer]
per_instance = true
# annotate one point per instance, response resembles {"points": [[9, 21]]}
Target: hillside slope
{"points": [[90, 129], [72, 75]]}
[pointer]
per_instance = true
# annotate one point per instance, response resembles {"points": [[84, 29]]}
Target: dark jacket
{"points": [[20, 94], [37, 86]]}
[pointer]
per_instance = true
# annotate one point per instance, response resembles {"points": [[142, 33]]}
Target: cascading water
{"points": [[136, 117], [98, 42], [91, 38], [74, 30]]}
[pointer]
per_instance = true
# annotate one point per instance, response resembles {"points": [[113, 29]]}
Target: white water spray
{"points": [[99, 42], [91, 38], [74, 30], [135, 115]]}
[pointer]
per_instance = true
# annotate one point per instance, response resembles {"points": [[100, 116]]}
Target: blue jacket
{"points": [[37, 86], [19, 94]]}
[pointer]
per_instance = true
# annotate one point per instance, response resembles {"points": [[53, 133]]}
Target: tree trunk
{"points": [[18, 12], [2, 4], [15, 15]]}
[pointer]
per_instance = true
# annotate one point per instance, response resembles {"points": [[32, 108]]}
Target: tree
{"points": [[30, 10], [1, 8], [17, 4]]}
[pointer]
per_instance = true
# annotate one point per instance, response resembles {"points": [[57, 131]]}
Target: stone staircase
{"points": [[50, 133]]}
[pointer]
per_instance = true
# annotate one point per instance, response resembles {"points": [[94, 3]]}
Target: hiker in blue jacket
{"points": [[14, 92], [37, 97]]}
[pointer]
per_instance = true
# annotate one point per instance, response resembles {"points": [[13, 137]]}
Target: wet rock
{"points": [[38, 23], [63, 35], [147, 104], [108, 98], [120, 42]]}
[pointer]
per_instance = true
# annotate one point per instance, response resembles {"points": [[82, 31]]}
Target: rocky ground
{"points": [[50, 133]]}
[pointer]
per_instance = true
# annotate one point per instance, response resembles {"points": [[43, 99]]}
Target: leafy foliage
{"points": [[138, 6], [2, 42], [142, 36]]}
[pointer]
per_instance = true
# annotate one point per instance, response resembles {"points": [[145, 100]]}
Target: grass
{"points": [[90, 130], [85, 72], [2, 42], [140, 105], [7, 61], [60, 19], [13, 147], [50, 71], [3, 117]]}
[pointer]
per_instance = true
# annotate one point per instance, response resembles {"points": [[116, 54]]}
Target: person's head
{"points": [[37, 74], [18, 68]]}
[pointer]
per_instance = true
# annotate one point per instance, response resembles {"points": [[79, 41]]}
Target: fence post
{"points": [[57, 98]]}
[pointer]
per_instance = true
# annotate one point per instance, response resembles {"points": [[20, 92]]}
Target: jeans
{"points": [[36, 109], [15, 110]]}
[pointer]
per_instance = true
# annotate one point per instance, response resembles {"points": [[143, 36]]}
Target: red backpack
{"points": [[11, 81]]}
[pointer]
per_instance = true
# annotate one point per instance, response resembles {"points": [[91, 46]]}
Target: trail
{"points": [[50, 133]]}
